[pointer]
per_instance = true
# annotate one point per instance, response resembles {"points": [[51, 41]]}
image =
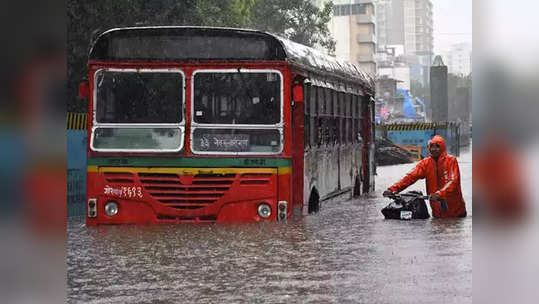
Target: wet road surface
{"points": [[347, 253]]}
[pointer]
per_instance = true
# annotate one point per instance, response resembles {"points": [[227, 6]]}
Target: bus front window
{"points": [[138, 110], [237, 112], [247, 98]]}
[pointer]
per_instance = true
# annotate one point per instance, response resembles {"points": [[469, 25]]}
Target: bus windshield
{"points": [[134, 97], [252, 98], [138, 110]]}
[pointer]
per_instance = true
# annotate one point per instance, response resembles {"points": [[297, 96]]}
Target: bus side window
{"points": [[352, 118], [342, 115], [348, 115], [314, 114], [334, 118], [357, 119], [339, 113], [307, 116], [348, 101], [329, 116], [319, 101], [320, 117], [319, 114]]}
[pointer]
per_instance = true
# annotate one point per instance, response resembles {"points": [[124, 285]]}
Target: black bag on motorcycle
{"points": [[407, 208]]}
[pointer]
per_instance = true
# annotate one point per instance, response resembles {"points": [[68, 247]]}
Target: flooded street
{"points": [[347, 253]]}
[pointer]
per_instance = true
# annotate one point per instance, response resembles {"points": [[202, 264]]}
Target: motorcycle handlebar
{"points": [[399, 195], [425, 197], [414, 195]]}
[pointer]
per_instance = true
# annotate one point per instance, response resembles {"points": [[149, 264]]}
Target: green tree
{"points": [[86, 19], [297, 20]]}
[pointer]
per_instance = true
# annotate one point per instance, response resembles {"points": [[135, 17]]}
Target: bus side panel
{"points": [[367, 133], [310, 174], [330, 171], [297, 155], [372, 145], [347, 164], [367, 139], [321, 171], [285, 188], [358, 167]]}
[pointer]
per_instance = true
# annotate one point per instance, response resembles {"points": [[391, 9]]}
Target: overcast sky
{"points": [[452, 23]]}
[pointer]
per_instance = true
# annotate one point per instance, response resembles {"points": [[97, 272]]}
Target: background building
{"points": [[353, 26], [392, 62], [408, 23], [459, 59]]}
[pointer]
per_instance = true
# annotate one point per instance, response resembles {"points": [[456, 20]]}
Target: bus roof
{"points": [[189, 43]]}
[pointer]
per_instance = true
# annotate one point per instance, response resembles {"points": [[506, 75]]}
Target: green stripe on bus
{"points": [[189, 162]]}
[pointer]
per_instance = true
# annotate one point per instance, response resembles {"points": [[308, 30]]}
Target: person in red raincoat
{"points": [[442, 175]]}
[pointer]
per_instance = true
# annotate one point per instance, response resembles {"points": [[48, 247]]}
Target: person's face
{"points": [[435, 150]]}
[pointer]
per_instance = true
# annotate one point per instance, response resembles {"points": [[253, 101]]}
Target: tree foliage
{"points": [[298, 20]]}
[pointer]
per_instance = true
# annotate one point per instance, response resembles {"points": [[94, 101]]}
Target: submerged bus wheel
{"points": [[357, 187], [314, 202]]}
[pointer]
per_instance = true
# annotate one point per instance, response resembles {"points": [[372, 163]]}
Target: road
{"points": [[347, 253]]}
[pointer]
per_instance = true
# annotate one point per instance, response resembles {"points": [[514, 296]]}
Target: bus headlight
{"points": [[111, 208], [264, 210]]}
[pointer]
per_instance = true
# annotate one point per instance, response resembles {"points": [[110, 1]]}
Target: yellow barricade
{"points": [[76, 121], [415, 150]]}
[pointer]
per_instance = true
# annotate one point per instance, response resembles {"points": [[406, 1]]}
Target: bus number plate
{"points": [[124, 192]]}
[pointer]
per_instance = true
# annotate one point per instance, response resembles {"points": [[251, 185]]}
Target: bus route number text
{"points": [[125, 192]]}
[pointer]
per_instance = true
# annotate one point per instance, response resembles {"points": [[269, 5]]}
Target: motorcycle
{"points": [[407, 206]]}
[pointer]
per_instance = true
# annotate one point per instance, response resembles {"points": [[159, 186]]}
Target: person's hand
{"points": [[388, 193], [443, 205], [434, 197]]}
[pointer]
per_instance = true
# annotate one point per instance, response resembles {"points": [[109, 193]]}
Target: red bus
{"points": [[198, 124]]}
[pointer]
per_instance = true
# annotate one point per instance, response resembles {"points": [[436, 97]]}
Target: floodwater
{"points": [[347, 253]]}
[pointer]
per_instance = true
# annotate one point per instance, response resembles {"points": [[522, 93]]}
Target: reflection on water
{"points": [[345, 254]]}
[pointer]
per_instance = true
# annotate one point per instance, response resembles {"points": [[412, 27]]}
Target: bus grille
{"points": [[119, 177], [186, 191], [255, 178]]}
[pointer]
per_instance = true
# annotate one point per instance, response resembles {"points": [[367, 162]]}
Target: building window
{"points": [[349, 9], [358, 9]]}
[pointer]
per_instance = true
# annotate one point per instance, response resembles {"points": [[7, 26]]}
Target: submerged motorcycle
{"points": [[407, 206]]}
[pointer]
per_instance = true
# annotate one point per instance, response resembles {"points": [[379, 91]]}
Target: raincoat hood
{"points": [[437, 139]]}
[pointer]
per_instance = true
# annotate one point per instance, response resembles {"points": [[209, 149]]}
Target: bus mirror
{"points": [[297, 93], [83, 90]]}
